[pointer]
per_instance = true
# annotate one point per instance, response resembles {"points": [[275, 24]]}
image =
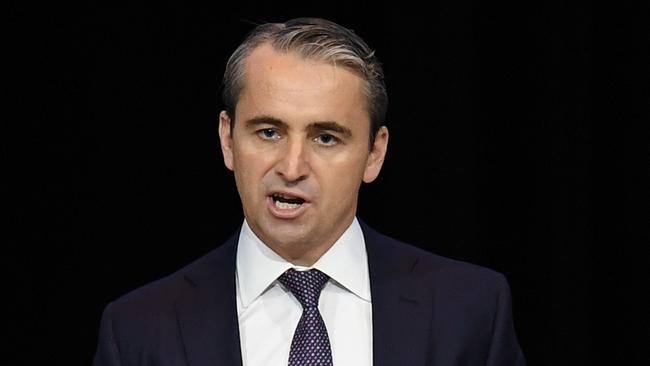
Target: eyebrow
{"points": [[264, 120], [319, 125], [331, 126]]}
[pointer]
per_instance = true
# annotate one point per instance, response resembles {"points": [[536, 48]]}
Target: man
{"points": [[304, 282]]}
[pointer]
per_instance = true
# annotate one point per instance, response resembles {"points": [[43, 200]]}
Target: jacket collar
{"points": [[207, 313], [401, 310]]}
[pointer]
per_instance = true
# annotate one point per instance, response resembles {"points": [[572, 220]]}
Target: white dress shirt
{"points": [[268, 312]]}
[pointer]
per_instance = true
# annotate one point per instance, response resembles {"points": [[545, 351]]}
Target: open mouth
{"points": [[286, 202]]}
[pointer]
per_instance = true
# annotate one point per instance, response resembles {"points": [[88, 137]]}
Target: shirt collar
{"points": [[346, 263]]}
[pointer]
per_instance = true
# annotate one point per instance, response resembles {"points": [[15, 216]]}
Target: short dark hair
{"points": [[313, 38]]}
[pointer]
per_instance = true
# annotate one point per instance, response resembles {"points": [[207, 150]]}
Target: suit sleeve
{"points": [[107, 353], [504, 347]]}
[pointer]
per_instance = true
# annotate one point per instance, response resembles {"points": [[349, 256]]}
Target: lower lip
{"points": [[286, 214]]}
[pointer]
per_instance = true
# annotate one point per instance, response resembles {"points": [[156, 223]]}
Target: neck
{"points": [[305, 258], [305, 252]]}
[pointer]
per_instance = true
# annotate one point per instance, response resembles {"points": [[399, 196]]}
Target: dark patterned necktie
{"points": [[310, 344]]}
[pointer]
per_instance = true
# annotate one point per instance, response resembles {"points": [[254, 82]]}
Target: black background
{"points": [[517, 143]]}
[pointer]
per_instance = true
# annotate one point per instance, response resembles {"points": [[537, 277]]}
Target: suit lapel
{"points": [[400, 315], [207, 313]]}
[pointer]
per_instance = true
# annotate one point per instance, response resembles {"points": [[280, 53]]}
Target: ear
{"points": [[377, 155], [225, 137]]}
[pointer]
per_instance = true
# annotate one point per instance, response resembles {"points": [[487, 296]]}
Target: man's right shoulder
{"points": [[157, 298], [145, 323]]}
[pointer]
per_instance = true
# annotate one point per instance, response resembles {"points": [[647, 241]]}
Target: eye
{"points": [[326, 139], [268, 134]]}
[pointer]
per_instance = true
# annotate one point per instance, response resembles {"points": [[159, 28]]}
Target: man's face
{"points": [[299, 149]]}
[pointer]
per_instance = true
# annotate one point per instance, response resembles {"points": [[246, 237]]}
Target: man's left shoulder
{"points": [[438, 272], [451, 270]]}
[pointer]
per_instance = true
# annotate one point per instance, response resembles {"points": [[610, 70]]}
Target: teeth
{"points": [[286, 205]]}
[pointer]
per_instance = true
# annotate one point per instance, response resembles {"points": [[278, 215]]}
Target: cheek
{"points": [[249, 159], [250, 168], [343, 178]]}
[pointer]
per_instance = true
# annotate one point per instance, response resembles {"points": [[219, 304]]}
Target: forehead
{"points": [[277, 82]]}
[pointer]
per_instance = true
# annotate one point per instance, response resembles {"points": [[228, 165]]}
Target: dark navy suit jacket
{"points": [[426, 310]]}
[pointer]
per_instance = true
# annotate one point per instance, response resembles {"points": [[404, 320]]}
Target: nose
{"points": [[293, 165]]}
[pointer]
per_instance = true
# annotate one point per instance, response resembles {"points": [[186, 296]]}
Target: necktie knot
{"points": [[306, 286]]}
